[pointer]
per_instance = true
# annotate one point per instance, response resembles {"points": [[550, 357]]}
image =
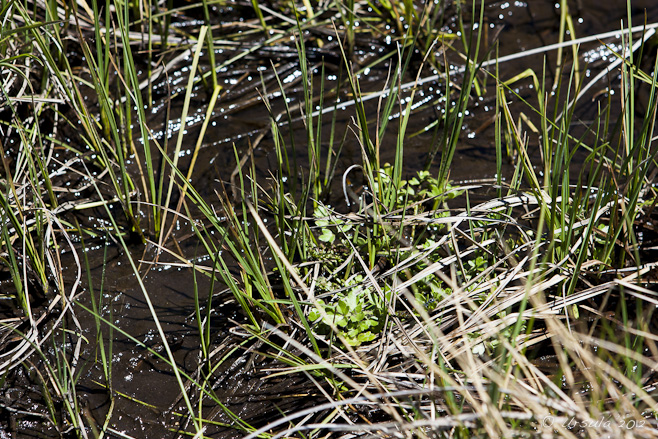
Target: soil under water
{"points": [[147, 398]]}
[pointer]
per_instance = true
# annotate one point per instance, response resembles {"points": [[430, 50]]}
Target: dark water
{"points": [[137, 374]]}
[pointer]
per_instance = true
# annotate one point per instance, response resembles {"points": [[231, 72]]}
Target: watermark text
{"points": [[606, 423]]}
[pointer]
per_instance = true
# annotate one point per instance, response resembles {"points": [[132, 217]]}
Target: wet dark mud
{"points": [[142, 397]]}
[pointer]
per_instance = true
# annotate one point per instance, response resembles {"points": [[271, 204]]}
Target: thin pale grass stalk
{"points": [[179, 141], [195, 155]]}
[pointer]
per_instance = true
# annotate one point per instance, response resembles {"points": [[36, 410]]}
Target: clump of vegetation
{"points": [[354, 307], [357, 312]]}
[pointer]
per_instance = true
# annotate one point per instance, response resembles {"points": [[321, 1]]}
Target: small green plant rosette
{"points": [[356, 314], [328, 222]]}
